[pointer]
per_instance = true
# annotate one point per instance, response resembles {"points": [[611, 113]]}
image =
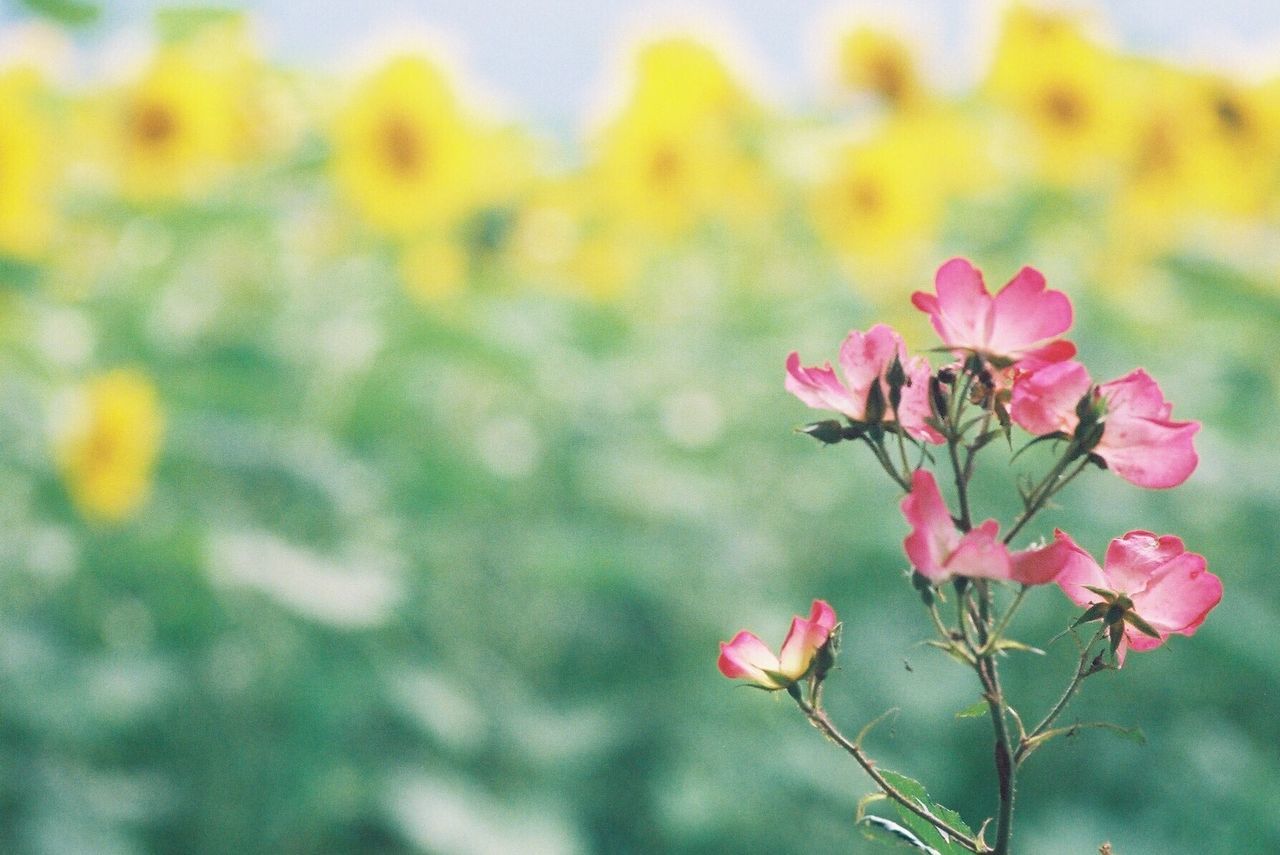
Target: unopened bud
{"points": [[828, 432], [896, 378], [875, 405]]}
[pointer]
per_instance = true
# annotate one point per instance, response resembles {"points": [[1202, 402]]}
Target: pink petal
{"points": [[914, 410], [1042, 565], [933, 533], [1179, 595], [821, 614], [980, 555], [961, 311], [748, 657], [1044, 401], [864, 358], [1152, 453], [1025, 314], [1136, 394], [1038, 357], [820, 389], [1078, 570], [1133, 559], [803, 640]]}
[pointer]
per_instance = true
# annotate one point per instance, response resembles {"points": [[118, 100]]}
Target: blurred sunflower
{"points": [[684, 149], [880, 199], [107, 449], [878, 62], [177, 130], [26, 169], [405, 154], [1062, 86]]}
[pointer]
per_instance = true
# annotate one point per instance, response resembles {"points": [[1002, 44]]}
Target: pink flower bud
{"points": [[747, 657], [1021, 323]]}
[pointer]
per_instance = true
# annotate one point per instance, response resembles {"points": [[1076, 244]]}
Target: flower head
{"points": [[1018, 325], [1139, 441], [865, 359], [107, 454], [747, 657], [1170, 589]]}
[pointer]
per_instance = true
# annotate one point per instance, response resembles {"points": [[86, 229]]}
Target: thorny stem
{"points": [[818, 718], [1083, 669], [1045, 490], [877, 448]]}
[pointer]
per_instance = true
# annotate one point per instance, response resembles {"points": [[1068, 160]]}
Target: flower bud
{"points": [[828, 432]]}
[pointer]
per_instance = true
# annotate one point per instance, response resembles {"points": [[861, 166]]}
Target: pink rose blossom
{"points": [[864, 360], [1140, 443], [1019, 324], [747, 657], [1139, 440], [1170, 588], [938, 550]]}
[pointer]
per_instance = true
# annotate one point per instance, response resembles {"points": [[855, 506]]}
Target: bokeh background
{"points": [[392, 422]]}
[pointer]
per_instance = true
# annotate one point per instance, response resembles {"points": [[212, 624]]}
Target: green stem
{"points": [[1044, 491], [877, 448], [1004, 621], [818, 718], [1083, 670]]}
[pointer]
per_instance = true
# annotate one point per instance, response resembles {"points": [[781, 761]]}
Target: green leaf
{"points": [[18, 274], [931, 836], [888, 832], [974, 710], [180, 24], [71, 13]]}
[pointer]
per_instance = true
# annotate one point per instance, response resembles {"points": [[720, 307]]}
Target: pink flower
{"points": [[864, 360], [939, 550], [1170, 588], [1139, 440], [1020, 324], [747, 657], [1140, 443]]}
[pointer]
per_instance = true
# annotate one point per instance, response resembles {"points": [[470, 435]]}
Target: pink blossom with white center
{"points": [[747, 657], [1019, 324], [1171, 589], [864, 359]]}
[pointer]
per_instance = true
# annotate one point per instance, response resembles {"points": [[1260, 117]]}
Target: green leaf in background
{"points": [[180, 24], [18, 274], [929, 835], [974, 710], [72, 13]]}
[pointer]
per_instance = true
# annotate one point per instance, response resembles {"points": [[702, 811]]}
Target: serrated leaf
{"points": [[915, 791], [887, 831], [974, 710]]}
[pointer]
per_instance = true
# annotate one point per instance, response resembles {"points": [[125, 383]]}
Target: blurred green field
{"points": [[416, 523]]}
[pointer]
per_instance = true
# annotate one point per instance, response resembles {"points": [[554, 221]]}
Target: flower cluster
{"points": [[1013, 364], [1010, 367]]}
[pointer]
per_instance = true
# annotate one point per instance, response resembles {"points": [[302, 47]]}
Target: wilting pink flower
{"points": [[1170, 588], [747, 657], [938, 550], [1019, 324], [1139, 440], [864, 360]]}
